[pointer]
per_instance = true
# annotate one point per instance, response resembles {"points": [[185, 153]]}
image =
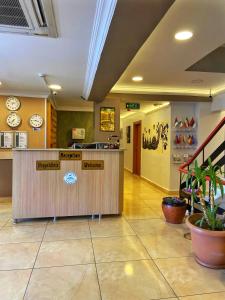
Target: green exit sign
{"points": [[131, 105]]}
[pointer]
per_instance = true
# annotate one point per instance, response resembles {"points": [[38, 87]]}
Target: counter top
{"points": [[68, 149]]}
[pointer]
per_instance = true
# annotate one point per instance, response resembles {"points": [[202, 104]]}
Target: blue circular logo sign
{"points": [[70, 178]]}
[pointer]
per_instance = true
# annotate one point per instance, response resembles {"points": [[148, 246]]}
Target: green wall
{"points": [[66, 120]]}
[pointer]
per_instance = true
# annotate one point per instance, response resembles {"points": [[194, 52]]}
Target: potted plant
{"points": [[207, 228], [174, 209]]}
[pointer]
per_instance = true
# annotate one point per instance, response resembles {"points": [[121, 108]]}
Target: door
{"points": [[137, 148]]}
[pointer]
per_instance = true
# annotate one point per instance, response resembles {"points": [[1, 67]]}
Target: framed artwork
{"points": [[78, 133], [107, 119], [128, 134]]}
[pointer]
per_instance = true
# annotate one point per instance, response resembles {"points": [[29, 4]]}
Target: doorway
{"points": [[137, 148]]}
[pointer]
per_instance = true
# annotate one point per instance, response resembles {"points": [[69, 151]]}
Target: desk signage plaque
{"points": [[70, 155], [92, 164], [47, 165]]}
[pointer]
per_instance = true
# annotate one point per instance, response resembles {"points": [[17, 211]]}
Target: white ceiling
{"points": [[63, 59], [162, 60]]}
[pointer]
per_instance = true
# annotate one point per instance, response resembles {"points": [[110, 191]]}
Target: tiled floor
{"points": [[134, 257]]}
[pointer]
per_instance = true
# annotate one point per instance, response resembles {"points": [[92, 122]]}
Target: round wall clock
{"points": [[12, 103], [36, 121], [13, 120]]}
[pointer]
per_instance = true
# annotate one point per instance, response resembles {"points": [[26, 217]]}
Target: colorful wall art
{"points": [[107, 119], [158, 135]]}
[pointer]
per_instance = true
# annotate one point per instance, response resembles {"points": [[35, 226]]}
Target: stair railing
{"points": [[184, 168]]}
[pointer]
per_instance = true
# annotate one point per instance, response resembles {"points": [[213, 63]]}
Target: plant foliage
{"points": [[202, 181]]}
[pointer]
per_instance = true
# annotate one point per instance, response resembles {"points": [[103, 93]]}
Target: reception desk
{"points": [[65, 182]]}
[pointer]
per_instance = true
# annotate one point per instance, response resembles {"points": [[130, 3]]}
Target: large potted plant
{"points": [[207, 228]]}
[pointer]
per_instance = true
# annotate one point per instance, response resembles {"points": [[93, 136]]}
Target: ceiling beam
{"points": [[133, 21], [157, 97]]}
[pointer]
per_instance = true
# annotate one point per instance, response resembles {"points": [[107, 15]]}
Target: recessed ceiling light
{"points": [[55, 87], [183, 35], [137, 78]]}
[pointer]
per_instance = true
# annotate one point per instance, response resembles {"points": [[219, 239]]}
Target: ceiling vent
{"points": [[33, 17]]}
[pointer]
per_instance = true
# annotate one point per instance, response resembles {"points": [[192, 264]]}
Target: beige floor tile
{"points": [[186, 277], [214, 296], [167, 245], [65, 220], [64, 283], [132, 280], [140, 213], [61, 253], [153, 226], [5, 217], [114, 218], [21, 234], [110, 228], [13, 284], [118, 249], [18, 256], [133, 205], [154, 203], [2, 223], [68, 231], [26, 222]]}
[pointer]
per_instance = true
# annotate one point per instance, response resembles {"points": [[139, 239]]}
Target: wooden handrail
{"points": [[199, 150]]}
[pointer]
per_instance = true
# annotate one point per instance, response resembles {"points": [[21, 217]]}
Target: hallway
{"points": [[135, 256]]}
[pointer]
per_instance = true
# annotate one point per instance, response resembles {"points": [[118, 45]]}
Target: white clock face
{"points": [[36, 121], [13, 120], [13, 103]]}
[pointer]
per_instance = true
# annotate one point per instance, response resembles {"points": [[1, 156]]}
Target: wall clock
{"points": [[13, 120], [12, 103], [36, 121]]}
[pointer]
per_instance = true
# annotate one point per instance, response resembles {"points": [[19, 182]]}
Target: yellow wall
{"points": [[29, 106], [36, 139]]}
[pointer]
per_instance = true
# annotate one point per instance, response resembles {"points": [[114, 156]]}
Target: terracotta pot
{"points": [[174, 214], [208, 246]]}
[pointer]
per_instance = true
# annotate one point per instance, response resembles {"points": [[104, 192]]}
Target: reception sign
{"points": [[70, 155], [46, 165], [93, 165]]}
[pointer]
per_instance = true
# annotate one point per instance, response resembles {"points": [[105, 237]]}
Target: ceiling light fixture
{"points": [[55, 87], [183, 35], [137, 78]]}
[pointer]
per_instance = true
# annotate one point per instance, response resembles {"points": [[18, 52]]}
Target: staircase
{"points": [[217, 156]]}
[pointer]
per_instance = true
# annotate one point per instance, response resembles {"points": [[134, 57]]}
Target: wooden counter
{"points": [[39, 194]]}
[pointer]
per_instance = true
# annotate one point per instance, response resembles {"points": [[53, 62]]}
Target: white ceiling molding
{"points": [[72, 108], [24, 94], [158, 90], [103, 17]]}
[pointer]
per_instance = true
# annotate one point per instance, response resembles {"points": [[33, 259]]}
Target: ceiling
{"points": [[162, 60], [63, 59], [132, 23], [74, 59]]}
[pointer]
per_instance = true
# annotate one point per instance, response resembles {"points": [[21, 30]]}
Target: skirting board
{"points": [[156, 185], [160, 187], [128, 170]]}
